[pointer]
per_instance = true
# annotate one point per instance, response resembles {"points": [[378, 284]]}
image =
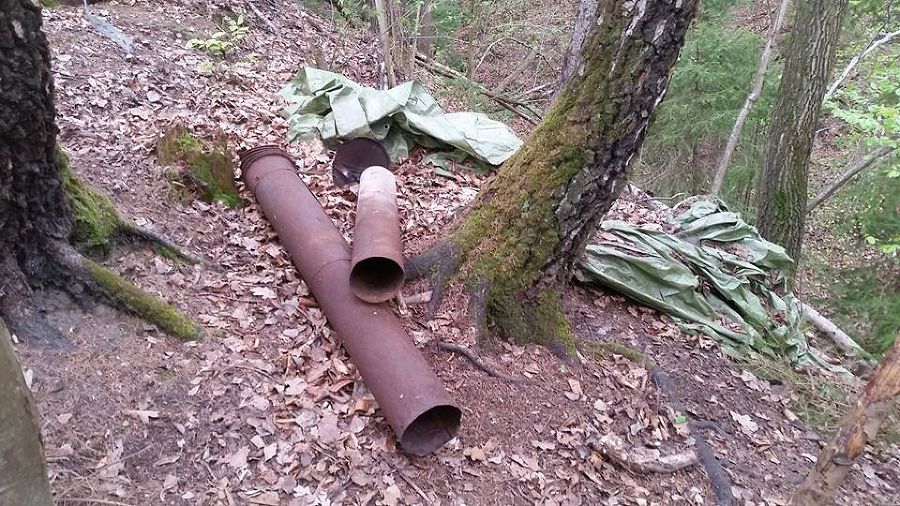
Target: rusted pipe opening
{"points": [[376, 279], [440, 423], [376, 273], [410, 396]]}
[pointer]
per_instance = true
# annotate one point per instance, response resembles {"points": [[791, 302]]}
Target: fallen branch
{"points": [[507, 103], [871, 46], [468, 354], [642, 460], [860, 165], [109, 31], [755, 90], [840, 338]]}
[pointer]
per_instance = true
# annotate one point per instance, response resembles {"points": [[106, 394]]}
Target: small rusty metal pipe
{"points": [[412, 398], [376, 266]]}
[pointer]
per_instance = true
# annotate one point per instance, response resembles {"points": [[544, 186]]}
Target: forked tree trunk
{"points": [[782, 195], [23, 479], [34, 216], [858, 428], [522, 237]]}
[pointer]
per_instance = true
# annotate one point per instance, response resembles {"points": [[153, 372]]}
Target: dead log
{"points": [[837, 336], [859, 427]]}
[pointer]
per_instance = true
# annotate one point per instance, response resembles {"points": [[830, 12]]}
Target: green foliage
{"points": [[224, 41], [707, 89], [869, 304], [870, 109]]}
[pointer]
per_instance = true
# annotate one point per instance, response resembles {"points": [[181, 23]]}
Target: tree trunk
{"points": [[34, 214], [587, 15], [860, 426], [781, 200], [23, 479], [425, 37], [384, 38], [520, 240]]}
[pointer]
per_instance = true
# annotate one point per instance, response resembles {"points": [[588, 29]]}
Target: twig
{"points": [[871, 46], [755, 90], [62, 495], [153, 237], [412, 484], [860, 165], [505, 102], [467, 353]]}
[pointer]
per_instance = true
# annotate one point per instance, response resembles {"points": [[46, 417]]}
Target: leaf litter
{"points": [[269, 409]]}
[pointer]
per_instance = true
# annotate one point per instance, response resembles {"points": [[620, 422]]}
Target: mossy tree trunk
{"points": [[35, 221], [524, 233], [781, 199], [37, 193]]}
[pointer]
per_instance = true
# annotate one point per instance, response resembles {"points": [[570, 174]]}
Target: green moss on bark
{"points": [[209, 168], [96, 221], [145, 305]]}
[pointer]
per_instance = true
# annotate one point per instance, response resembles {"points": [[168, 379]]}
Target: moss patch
{"points": [[145, 305], [96, 221], [208, 168]]}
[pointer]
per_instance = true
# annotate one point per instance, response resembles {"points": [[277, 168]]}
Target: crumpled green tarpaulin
{"points": [[711, 276], [334, 107]]}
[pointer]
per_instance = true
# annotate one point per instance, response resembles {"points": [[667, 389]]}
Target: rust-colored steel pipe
{"points": [[412, 398], [376, 266]]}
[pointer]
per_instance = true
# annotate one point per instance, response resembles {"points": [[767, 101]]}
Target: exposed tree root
{"points": [[721, 484], [98, 226], [718, 478], [470, 355], [165, 245], [440, 263], [642, 460]]}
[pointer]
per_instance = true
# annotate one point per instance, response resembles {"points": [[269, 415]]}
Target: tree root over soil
{"points": [[494, 304], [719, 480], [96, 225], [81, 276], [470, 355]]}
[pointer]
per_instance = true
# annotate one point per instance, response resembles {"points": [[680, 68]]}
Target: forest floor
{"points": [[268, 409]]}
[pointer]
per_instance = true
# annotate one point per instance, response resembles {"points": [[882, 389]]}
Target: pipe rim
{"points": [[431, 430], [376, 279]]}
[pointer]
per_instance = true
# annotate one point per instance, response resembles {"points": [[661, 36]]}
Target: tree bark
{"points": [[764, 58], [384, 37], [425, 37], [522, 236], [23, 479], [781, 199], [860, 426], [34, 213], [587, 15]]}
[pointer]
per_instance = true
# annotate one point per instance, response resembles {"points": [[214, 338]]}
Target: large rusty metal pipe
{"points": [[376, 266], [412, 398]]}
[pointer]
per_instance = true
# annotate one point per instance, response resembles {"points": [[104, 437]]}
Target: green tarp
{"points": [[333, 107], [711, 275]]}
